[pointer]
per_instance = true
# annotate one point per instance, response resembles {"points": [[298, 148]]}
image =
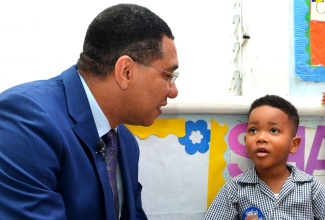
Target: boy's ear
{"points": [[295, 144]]}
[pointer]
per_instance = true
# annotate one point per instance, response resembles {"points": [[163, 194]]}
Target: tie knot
{"points": [[110, 138], [112, 134]]}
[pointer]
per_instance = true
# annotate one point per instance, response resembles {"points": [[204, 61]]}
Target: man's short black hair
{"points": [[123, 29]]}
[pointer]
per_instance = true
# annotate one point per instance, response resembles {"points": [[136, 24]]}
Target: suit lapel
{"points": [[85, 128], [129, 206]]}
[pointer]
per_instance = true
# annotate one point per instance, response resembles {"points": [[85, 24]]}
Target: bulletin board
{"points": [[309, 32], [185, 160]]}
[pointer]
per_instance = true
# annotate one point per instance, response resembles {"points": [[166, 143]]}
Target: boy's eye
{"points": [[252, 130], [274, 130]]}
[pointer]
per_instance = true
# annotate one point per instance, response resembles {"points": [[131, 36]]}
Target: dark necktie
{"points": [[110, 139]]}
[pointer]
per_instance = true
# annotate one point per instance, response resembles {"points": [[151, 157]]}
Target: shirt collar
{"points": [[297, 175], [101, 122]]}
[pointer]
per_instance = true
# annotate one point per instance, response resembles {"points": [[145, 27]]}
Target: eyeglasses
{"points": [[172, 76]]}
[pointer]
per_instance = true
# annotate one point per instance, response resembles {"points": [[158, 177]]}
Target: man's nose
{"points": [[173, 91]]}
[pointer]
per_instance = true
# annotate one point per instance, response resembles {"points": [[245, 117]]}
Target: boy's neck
{"points": [[274, 178]]}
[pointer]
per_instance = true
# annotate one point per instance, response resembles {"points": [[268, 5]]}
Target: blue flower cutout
{"points": [[197, 137]]}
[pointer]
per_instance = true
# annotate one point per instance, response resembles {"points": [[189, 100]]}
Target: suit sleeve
{"points": [[30, 161]]}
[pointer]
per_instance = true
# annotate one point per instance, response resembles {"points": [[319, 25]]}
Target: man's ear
{"points": [[295, 144], [123, 71]]}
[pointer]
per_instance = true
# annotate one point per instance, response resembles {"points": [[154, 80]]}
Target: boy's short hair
{"points": [[281, 104]]}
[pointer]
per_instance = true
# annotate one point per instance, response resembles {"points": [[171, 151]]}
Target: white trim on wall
{"points": [[310, 106]]}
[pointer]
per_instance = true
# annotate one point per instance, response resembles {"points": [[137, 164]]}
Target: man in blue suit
{"points": [[51, 158]]}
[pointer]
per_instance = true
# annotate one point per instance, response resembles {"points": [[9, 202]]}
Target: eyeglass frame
{"points": [[173, 76]]}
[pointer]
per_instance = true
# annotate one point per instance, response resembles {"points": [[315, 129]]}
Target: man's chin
{"points": [[148, 123], [144, 123]]}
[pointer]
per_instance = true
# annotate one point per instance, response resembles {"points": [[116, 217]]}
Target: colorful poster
{"points": [[309, 32]]}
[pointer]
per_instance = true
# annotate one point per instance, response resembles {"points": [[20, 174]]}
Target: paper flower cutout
{"points": [[197, 137]]}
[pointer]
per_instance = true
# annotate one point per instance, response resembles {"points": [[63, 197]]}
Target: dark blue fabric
{"points": [[49, 168]]}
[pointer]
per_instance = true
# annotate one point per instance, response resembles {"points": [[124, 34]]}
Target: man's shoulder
{"points": [[41, 87]]}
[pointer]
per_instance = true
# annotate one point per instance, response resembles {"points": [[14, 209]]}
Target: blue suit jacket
{"points": [[49, 168]]}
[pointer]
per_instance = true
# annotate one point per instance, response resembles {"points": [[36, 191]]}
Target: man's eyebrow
{"points": [[172, 68]]}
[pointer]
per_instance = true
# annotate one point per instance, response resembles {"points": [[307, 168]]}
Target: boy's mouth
{"points": [[262, 152]]}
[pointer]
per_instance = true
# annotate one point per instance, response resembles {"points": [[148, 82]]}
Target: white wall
{"points": [[39, 39], [266, 54]]}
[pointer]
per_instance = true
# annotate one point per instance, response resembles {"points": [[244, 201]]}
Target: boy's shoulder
{"points": [[299, 175], [250, 176]]}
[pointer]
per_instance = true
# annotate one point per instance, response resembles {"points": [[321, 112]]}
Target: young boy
{"points": [[272, 189]]}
